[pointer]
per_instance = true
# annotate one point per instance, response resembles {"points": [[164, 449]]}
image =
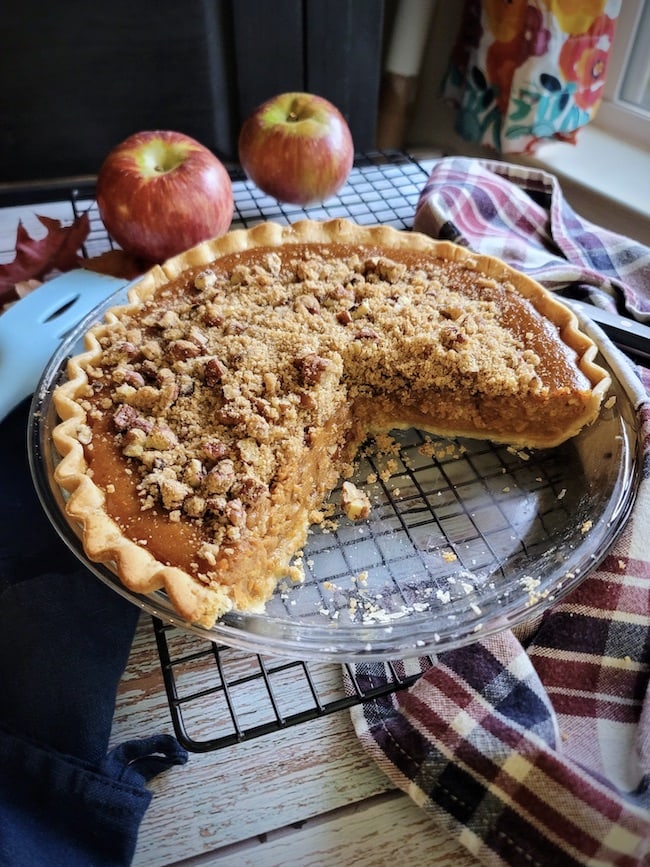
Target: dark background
{"points": [[78, 77]]}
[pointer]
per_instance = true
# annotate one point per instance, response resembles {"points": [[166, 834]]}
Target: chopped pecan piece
{"points": [[382, 268], [233, 327], [127, 350], [214, 371], [169, 389], [132, 377], [229, 414], [214, 450], [366, 333], [198, 336], [249, 490], [344, 317], [308, 401], [185, 385], [451, 336], [340, 296], [134, 440], [220, 478], [215, 504], [362, 309], [126, 417], [451, 311], [236, 513], [310, 368], [194, 472], [309, 302], [183, 349], [213, 315]]}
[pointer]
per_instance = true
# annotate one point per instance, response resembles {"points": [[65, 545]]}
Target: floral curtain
{"points": [[524, 72]]}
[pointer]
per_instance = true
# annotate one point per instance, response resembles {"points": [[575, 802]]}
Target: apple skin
{"points": [[297, 147], [160, 192]]}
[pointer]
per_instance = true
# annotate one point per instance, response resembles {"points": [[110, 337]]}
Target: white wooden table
{"points": [[307, 796]]}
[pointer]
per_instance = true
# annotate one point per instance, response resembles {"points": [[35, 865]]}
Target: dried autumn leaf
{"points": [[35, 258]]}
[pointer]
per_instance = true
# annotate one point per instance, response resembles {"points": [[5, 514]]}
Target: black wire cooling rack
{"points": [[487, 510], [220, 695], [383, 187]]}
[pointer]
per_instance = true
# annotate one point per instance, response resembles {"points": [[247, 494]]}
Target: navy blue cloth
{"points": [[65, 639]]}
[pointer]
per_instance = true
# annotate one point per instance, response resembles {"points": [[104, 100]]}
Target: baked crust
{"points": [[373, 329]]}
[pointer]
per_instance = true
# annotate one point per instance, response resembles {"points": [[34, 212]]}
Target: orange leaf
{"points": [[36, 258]]}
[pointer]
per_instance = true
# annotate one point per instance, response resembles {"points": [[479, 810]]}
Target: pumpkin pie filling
{"points": [[212, 415]]}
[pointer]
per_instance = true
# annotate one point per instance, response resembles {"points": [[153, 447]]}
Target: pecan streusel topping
{"points": [[212, 389]]}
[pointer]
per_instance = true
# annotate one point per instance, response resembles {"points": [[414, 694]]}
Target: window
{"points": [[625, 110]]}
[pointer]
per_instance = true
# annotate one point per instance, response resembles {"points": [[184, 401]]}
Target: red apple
{"points": [[161, 192], [297, 147]]}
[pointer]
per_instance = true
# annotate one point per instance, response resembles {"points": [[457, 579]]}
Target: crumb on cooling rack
{"points": [[296, 571], [520, 453], [386, 444], [354, 502], [389, 470], [442, 450], [361, 578]]}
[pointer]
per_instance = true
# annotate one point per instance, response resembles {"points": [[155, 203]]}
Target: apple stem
{"points": [[294, 111]]}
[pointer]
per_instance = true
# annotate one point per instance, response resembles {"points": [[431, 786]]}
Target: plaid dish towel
{"points": [[533, 746]]}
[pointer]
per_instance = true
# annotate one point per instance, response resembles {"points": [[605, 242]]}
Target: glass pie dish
{"points": [[464, 538]]}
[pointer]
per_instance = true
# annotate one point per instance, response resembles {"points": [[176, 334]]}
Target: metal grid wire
{"points": [[383, 187], [220, 695], [213, 688], [443, 515]]}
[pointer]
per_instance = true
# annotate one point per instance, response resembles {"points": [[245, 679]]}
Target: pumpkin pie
{"points": [[210, 416]]}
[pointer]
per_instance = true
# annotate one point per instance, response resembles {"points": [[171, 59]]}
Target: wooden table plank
{"points": [[388, 829], [315, 773]]}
